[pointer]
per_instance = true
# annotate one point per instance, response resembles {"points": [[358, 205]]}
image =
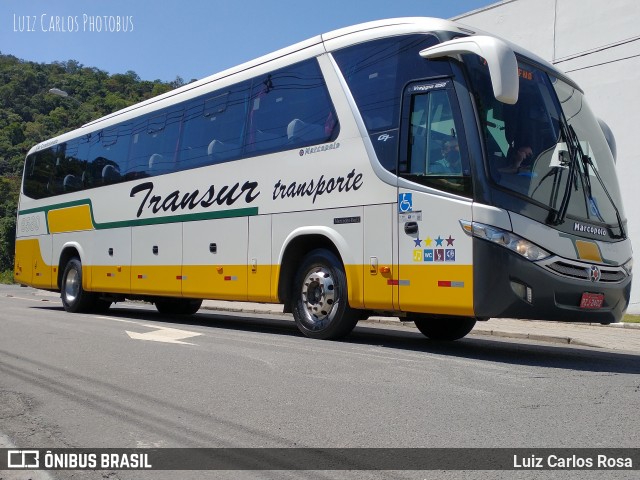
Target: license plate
{"points": [[591, 300]]}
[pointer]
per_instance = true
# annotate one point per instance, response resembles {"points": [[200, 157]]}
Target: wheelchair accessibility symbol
{"points": [[405, 202]]}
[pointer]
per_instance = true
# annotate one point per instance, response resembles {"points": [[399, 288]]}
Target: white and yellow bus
{"points": [[414, 167]]}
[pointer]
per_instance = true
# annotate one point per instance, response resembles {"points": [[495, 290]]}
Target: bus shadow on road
{"points": [[514, 351]]}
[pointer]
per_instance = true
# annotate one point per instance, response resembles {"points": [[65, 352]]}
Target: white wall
{"points": [[596, 42]]}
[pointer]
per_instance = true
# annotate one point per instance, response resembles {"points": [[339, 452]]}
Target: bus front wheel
{"points": [[320, 306], [178, 306], [444, 328], [74, 298]]}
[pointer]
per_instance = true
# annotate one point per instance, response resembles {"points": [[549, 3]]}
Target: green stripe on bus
{"points": [[58, 206], [188, 217]]}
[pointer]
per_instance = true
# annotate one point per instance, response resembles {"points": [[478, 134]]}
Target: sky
{"points": [[190, 38]]}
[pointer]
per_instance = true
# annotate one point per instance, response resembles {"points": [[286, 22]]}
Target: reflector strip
{"points": [[401, 283], [450, 284]]}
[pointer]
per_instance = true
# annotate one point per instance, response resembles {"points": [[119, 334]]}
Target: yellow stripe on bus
{"points": [[70, 219], [437, 289], [30, 268], [110, 278]]}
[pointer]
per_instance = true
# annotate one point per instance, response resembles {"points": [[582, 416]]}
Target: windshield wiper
{"points": [[556, 217], [577, 155], [593, 206]]}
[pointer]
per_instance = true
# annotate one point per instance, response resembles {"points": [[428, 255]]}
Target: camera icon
{"points": [[23, 459]]}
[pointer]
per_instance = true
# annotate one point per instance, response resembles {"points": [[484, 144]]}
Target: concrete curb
{"points": [[536, 337], [556, 339], [387, 321]]}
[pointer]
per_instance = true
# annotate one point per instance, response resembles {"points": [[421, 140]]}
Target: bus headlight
{"points": [[513, 242]]}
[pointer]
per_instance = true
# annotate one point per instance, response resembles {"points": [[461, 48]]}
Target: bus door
{"points": [[434, 188]]}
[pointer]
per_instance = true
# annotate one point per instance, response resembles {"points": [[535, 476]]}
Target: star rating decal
{"points": [[439, 241], [431, 252]]}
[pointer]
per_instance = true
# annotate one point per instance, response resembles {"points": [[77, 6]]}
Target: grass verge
{"points": [[6, 277]]}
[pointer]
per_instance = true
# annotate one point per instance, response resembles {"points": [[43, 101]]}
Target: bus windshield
{"points": [[548, 147]]}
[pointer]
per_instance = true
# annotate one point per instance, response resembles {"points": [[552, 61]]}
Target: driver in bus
{"points": [[520, 160], [450, 163], [520, 122]]}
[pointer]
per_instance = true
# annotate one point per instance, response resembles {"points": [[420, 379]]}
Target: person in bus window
{"points": [[520, 123], [450, 162], [520, 159]]}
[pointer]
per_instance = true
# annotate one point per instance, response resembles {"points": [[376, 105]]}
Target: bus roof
{"points": [[330, 41]]}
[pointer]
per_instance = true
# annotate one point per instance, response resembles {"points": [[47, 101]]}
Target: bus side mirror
{"points": [[503, 66]]}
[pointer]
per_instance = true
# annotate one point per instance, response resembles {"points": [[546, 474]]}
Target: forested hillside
{"points": [[30, 114]]}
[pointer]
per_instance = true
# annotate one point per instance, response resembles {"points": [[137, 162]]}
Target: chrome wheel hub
{"points": [[71, 286], [318, 295]]}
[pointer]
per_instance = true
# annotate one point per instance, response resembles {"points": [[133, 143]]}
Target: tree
{"points": [[29, 114], [9, 188]]}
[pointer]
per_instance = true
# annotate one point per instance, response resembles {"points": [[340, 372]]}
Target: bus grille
{"points": [[608, 275]]}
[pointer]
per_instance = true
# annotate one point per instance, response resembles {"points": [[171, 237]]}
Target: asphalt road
{"points": [[134, 378]]}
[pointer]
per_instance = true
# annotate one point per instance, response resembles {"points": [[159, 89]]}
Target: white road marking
{"points": [[164, 334], [115, 319]]}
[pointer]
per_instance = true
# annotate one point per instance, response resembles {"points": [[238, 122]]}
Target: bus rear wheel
{"points": [[178, 306], [444, 328], [319, 297], [74, 298]]}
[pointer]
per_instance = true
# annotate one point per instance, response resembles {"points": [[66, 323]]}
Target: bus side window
{"points": [[193, 147], [213, 127], [290, 108], [436, 149], [108, 152], [376, 73], [154, 143], [40, 181], [139, 149], [69, 168]]}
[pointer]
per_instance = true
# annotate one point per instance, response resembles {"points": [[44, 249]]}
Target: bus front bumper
{"points": [[506, 285]]}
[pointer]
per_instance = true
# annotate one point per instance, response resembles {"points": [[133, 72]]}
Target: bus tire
{"points": [[74, 298], [444, 328], [319, 297], [178, 306]]}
